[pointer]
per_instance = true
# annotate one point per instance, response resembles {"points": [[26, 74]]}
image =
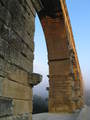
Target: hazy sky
{"points": [[79, 12]]}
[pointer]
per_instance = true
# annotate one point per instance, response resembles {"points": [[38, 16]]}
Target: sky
{"points": [[79, 13]]}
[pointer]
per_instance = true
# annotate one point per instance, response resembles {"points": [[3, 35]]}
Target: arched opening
{"points": [[40, 94]]}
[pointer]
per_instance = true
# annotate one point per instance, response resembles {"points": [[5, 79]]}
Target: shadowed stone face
{"points": [[16, 58], [6, 107], [50, 8]]}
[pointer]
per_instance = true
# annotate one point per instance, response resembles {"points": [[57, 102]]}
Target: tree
{"points": [[40, 104]]}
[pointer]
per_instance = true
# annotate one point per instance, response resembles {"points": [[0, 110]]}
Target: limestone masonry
{"points": [[17, 27]]}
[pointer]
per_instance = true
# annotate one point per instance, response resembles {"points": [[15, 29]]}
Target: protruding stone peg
{"points": [[34, 79]]}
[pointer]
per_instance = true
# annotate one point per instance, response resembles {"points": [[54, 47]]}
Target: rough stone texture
{"points": [[15, 90], [25, 116], [22, 106], [6, 106], [16, 58], [35, 79]]}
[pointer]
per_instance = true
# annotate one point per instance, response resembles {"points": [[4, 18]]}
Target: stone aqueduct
{"points": [[17, 18]]}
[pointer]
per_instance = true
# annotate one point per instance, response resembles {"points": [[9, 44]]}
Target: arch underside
{"points": [[65, 79]]}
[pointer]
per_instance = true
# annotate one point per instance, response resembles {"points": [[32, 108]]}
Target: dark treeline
{"points": [[87, 97], [40, 104]]}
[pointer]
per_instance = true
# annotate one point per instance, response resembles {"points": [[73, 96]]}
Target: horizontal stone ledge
{"points": [[63, 79], [63, 94], [61, 74], [12, 90], [58, 60]]}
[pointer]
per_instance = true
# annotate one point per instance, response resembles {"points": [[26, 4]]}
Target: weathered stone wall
{"points": [[16, 58]]}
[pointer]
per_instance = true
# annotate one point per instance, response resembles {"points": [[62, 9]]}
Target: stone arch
{"points": [[16, 57], [65, 79]]}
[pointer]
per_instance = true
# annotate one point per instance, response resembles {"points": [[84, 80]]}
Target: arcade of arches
{"points": [[17, 27]]}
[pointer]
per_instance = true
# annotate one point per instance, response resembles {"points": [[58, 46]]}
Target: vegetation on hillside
{"points": [[40, 104], [87, 97]]}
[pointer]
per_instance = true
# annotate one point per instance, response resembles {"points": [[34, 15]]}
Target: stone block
{"points": [[13, 72], [57, 48], [15, 90], [60, 67], [19, 76], [6, 107], [22, 106]]}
